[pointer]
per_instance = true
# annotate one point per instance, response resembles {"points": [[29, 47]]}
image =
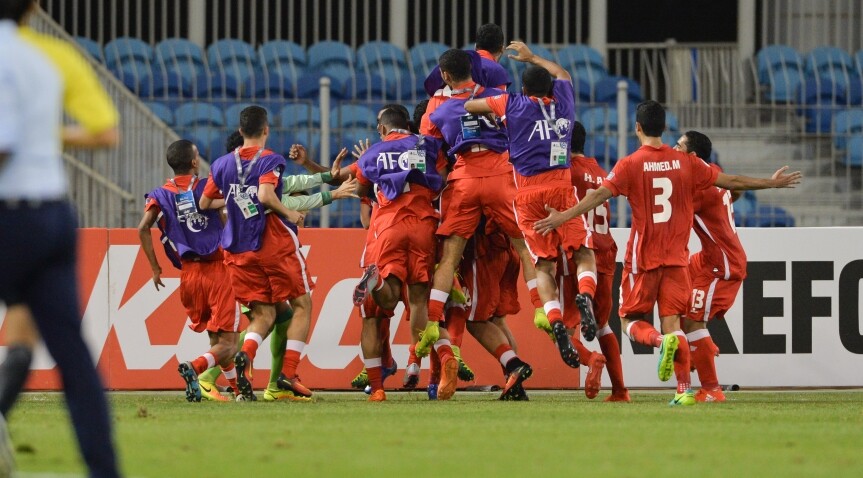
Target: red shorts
{"points": [[530, 205], [406, 250], [464, 200], [274, 273], [669, 286], [567, 285], [492, 281], [206, 293], [712, 296], [369, 308]]}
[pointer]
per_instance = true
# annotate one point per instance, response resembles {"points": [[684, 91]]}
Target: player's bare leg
{"points": [[453, 247], [500, 322], [298, 333], [263, 316], [703, 354], [492, 338], [372, 349], [547, 288], [586, 269]]}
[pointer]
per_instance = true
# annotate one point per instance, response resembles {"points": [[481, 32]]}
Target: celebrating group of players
{"points": [[489, 184]]}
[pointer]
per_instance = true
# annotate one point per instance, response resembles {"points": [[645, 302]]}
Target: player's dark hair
{"points": [[394, 118], [419, 112], [699, 144], [253, 121], [489, 37], [234, 141], [456, 63], [536, 81], [651, 116], [180, 156], [15, 9], [579, 136]]}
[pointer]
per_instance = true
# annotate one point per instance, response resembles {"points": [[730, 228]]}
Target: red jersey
{"points": [[660, 184], [714, 226], [416, 202], [587, 174]]}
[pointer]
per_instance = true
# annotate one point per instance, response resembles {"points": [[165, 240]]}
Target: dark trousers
{"points": [[38, 269]]}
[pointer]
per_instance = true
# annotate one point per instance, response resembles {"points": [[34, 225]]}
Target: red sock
{"points": [[611, 349], [583, 352], [703, 357], [434, 376], [681, 364], [437, 300], [375, 377], [251, 349], [500, 350], [200, 364], [644, 333], [534, 294], [455, 325], [230, 374], [292, 359], [384, 334], [444, 351], [553, 312], [587, 283]]}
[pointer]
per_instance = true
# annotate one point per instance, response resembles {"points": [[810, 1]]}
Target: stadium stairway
{"points": [[822, 199]]}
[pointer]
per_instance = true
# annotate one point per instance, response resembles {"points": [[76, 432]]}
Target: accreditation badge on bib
{"points": [[559, 154], [184, 203], [469, 126], [246, 205], [417, 159]]}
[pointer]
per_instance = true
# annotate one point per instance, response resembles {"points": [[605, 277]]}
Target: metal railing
{"points": [[99, 202], [807, 24], [138, 164]]}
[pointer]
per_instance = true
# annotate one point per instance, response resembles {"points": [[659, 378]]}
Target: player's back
{"points": [[714, 226], [660, 183], [586, 175]]}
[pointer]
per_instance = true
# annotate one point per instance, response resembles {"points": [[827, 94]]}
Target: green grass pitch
{"points": [[783, 434]]}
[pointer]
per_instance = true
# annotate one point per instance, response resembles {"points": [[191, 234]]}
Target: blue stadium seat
{"points": [[775, 58], [327, 53], [595, 119], [132, 77], [828, 58], [218, 86], [351, 136], [858, 59], [854, 91], [271, 85], [353, 116], [230, 51], [572, 56], [182, 56], [232, 114], [125, 50], [670, 138], [605, 90], [541, 51], [162, 112], [378, 54], [216, 148], [91, 47], [845, 124], [369, 87], [854, 152], [671, 122], [205, 137], [198, 114], [295, 115], [311, 139], [582, 91], [604, 151], [744, 206], [275, 53], [424, 57], [820, 97], [345, 213], [784, 84], [308, 86], [769, 216], [166, 84]]}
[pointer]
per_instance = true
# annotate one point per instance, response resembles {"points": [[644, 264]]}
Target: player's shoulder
{"points": [[60, 51]]}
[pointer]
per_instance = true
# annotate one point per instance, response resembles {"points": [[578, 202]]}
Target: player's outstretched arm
{"points": [[146, 238], [779, 180], [523, 54], [555, 218], [269, 199]]}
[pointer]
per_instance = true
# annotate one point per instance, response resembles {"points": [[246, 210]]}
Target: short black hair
{"points": [[394, 118], [180, 156], [489, 37], [651, 116], [699, 144], [398, 107], [419, 112], [234, 141], [456, 63], [579, 136], [15, 10], [537, 81], [253, 121]]}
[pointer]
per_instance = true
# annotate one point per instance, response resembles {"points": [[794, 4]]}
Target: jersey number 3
{"points": [[661, 199]]}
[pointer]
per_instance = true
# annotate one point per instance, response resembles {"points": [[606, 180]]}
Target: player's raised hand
{"points": [[348, 189], [522, 52], [337, 164], [783, 180], [553, 221], [298, 154], [361, 148]]}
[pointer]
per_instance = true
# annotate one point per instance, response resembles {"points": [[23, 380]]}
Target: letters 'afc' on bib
{"points": [[559, 154], [416, 159], [470, 127], [185, 205]]}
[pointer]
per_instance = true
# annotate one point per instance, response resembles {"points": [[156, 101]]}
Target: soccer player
{"points": [[481, 183], [717, 271], [38, 242], [539, 125], [262, 252], [403, 169], [588, 175], [489, 47], [191, 239], [660, 184]]}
